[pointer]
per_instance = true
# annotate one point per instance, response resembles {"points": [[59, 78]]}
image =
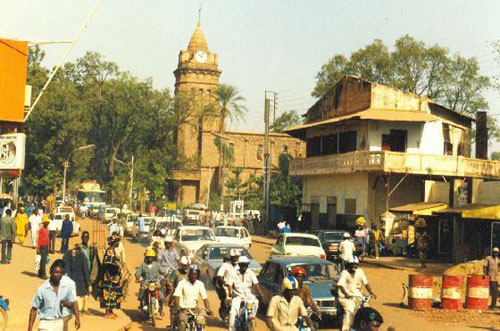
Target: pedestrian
{"points": [[377, 237], [21, 225], [34, 221], [82, 266], [281, 225], [54, 302], [118, 247], [490, 268], [110, 287], [346, 249], [359, 237], [284, 310], [367, 319], [52, 233], [42, 246], [422, 241], [66, 232], [7, 236]]}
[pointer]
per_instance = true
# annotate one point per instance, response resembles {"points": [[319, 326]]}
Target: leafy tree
{"points": [[495, 156], [230, 110], [413, 66], [286, 120]]}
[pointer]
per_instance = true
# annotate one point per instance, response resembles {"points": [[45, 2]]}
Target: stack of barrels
{"points": [[476, 297]]}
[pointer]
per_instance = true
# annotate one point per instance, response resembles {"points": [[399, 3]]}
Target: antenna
{"points": [[199, 14]]}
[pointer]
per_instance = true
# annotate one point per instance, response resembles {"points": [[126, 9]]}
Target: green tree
{"points": [[286, 120], [413, 66], [230, 109], [495, 156]]}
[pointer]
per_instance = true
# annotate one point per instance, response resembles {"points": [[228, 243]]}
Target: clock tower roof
{"points": [[198, 41]]}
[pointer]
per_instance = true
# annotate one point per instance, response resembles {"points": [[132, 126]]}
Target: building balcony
{"points": [[396, 162]]}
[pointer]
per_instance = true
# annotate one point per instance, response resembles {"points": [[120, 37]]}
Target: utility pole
{"points": [[267, 159], [131, 194]]}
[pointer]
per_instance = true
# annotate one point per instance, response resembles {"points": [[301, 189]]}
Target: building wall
{"points": [[437, 191], [488, 193], [386, 97]]}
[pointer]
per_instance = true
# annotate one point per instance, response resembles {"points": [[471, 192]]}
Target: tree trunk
{"points": [[56, 179], [221, 158]]}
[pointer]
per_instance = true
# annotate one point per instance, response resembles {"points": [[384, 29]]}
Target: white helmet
{"points": [[243, 259], [347, 235], [185, 260], [163, 232], [234, 252]]}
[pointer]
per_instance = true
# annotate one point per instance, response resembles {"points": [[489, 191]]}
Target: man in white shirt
{"points": [[346, 249], [116, 227], [187, 294], [240, 287], [226, 270], [34, 221], [52, 234], [349, 291]]}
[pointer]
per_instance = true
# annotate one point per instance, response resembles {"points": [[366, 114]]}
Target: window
{"points": [[395, 141], [269, 271], [279, 274], [285, 149], [350, 206], [313, 147], [348, 141], [302, 241], [330, 144]]}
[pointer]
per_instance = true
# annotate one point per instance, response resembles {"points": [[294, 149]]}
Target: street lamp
{"points": [[131, 170], [66, 164]]}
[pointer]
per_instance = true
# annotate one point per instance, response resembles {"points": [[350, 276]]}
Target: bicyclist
{"points": [[303, 291], [187, 294], [173, 280], [150, 271], [240, 287], [349, 291], [284, 310]]}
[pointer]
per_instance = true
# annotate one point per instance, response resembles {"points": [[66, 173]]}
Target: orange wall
{"points": [[13, 66]]}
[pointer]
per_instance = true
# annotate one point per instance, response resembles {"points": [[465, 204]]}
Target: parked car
{"points": [[188, 239], [210, 258], [59, 218], [321, 276], [233, 235], [298, 244], [191, 217]]}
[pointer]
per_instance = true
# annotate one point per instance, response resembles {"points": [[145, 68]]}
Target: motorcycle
{"points": [[245, 320], [195, 321], [302, 322], [150, 305], [4, 306], [360, 301]]}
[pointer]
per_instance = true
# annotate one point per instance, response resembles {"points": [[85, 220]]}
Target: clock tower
{"points": [[197, 76]]}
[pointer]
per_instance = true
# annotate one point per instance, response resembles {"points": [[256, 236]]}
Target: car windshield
{"points": [[58, 217], [330, 236], [217, 253], [196, 234], [226, 232], [193, 212], [302, 241], [316, 271], [66, 210]]}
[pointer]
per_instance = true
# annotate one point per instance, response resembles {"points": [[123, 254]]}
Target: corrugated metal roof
{"points": [[374, 114], [473, 210]]}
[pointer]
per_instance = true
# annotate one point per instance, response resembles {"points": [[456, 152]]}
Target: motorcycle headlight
{"points": [[249, 305], [152, 287]]}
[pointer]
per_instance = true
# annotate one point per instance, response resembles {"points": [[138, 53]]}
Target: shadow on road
{"points": [[395, 305], [29, 273]]}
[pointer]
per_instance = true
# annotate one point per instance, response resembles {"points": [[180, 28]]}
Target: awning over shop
{"points": [[473, 210], [420, 208]]}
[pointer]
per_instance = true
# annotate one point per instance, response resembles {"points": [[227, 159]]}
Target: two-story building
{"points": [[370, 147]]}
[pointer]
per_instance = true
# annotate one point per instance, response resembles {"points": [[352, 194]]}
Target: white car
{"points": [[191, 216], [129, 223], [170, 225], [298, 244], [233, 235], [65, 210], [59, 218], [136, 234], [188, 239], [110, 213]]}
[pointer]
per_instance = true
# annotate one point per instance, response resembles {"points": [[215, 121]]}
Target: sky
{"points": [[277, 45]]}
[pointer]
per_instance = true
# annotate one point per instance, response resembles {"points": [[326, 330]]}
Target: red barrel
{"points": [[451, 292], [478, 292], [420, 296]]}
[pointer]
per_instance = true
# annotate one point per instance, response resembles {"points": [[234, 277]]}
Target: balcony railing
{"points": [[423, 164]]}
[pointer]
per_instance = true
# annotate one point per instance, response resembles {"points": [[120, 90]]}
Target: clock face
{"points": [[201, 56]]}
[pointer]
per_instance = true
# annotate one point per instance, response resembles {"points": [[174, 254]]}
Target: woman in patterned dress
{"points": [[110, 282]]}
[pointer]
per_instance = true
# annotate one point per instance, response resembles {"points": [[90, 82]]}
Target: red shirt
{"points": [[43, 237]]}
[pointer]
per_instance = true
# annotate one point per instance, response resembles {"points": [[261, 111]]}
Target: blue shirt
{"points": [[48, 302], [168, 259]]}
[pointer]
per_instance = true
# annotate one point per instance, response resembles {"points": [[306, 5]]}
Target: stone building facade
{"points": [[198, 74]]}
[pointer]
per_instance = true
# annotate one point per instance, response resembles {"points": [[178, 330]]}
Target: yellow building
{"points": [[371, 147], [197, 75]]}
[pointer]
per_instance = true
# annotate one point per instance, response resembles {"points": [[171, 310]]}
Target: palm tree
{"points": [[230, 110]]}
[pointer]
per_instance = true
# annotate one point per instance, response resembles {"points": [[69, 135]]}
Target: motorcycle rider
{"points": [[349, 291], [186, 297], [240, 287], [346, 249], [150, 271], [172, 281], [219, 284], [226, 270], [284, 310], [303, 291]]}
